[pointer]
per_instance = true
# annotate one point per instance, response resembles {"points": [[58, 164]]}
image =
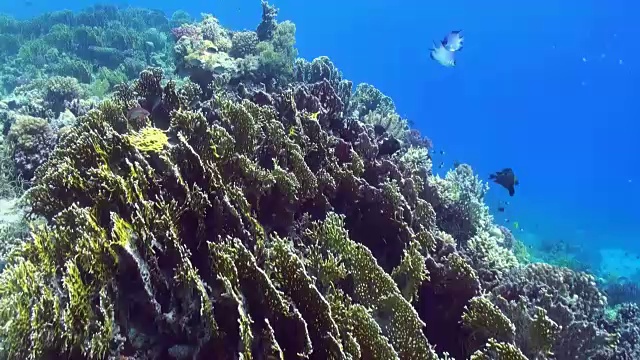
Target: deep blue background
{"points": [[521, 95]]}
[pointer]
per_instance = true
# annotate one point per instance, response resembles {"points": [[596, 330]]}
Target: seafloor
{"points": [[178, 190]]}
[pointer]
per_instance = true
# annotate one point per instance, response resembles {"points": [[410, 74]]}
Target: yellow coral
{"points": [[149, 139]]}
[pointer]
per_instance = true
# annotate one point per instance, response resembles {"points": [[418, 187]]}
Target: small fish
{"points": [[453, 41], [441, 152], [507, 178], [443, 56], [441, 165], [516, 225], [501, 209], [137, 113]]}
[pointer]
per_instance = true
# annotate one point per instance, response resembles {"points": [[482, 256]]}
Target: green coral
{"points": [[487, 252], [417, 158], [367, 98], [244, 43], [29, 143], [149, 139], [214, 32], [391, 122], [276, 57], [76, 44], [61, 89], [495, 350], [486, 319], [411, 272], [376, 290]]}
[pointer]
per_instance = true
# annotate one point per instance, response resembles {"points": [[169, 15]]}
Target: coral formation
{"points": [[261, 210], [78, 45]]}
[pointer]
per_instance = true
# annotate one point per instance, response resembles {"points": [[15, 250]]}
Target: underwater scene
{"points": [[283, 179]]}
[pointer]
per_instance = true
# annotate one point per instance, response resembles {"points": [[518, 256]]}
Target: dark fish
{"points": [[441, 152], [137, 113], [441, 165], [507, 179], [379, 129], [453, 41], [501, 209]]}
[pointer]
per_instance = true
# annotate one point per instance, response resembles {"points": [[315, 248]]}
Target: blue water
{"points": [[546, 87]]}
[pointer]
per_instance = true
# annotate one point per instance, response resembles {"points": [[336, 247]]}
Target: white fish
{"points": [[453, 41], [440, 54]]}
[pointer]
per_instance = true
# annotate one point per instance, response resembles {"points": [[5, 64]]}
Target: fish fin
{"points": [[512, 191]]}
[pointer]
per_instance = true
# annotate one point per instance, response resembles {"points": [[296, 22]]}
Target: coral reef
{"points": [[83, 44], [261, 210]]}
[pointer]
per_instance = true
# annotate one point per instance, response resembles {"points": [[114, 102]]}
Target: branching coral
{"points": [[255, 214], [459, 203]]}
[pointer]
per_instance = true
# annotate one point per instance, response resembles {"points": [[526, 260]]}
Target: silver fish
{"points": [[453, 41], [443, 56]]}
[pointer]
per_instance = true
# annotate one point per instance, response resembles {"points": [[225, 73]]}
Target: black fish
{"points": [[507, 179], [501, 209]]}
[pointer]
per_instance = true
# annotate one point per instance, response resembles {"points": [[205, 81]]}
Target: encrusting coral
{"points": [[239, 221]]}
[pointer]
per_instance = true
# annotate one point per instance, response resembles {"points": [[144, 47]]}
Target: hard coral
{"points": [[30, 141], [243, 44], [570, 299], [459, 203], [260, 217]]}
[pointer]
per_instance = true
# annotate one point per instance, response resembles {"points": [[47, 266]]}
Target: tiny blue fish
{"points": [[443, 56], [453, 41]]}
